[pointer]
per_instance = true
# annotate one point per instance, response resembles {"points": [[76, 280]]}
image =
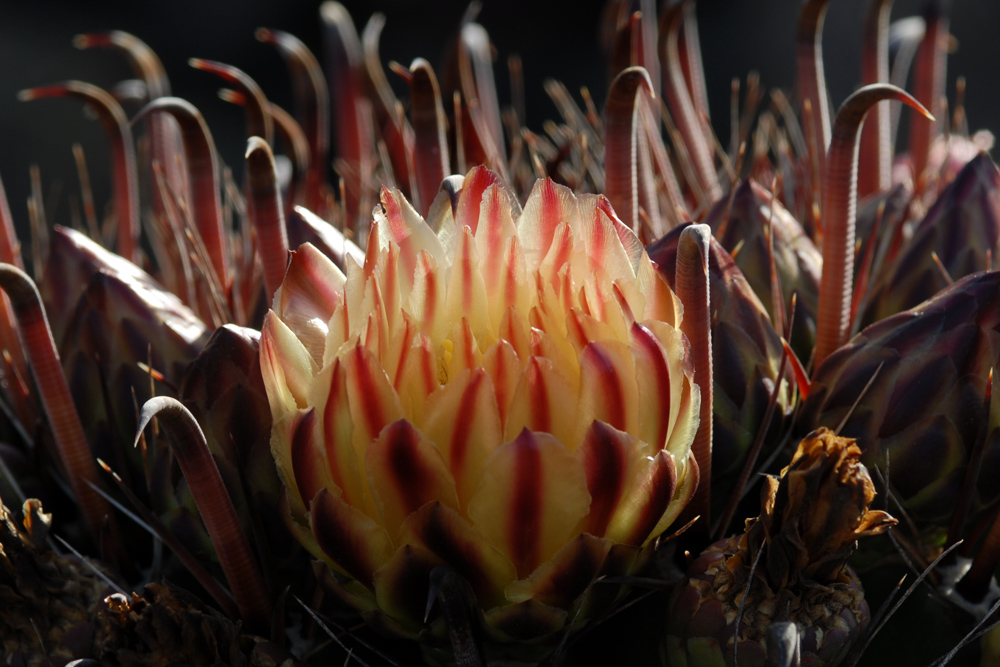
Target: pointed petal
{"points": [[463, 421], [464, 351], [308, 296], [467, 297], [308, 456], [373, 402], [355, 544], [548, 205], [446, 533], [417, 376], [286, 366], [406, 471], [560, 581], [604, 250], [541, 402], [427, 301], [644, 504], [532, 495], [661, 302], [407, 229], [594, 207], [610, 459], [495, 227], [504, 367], [344, 464], [470, 200], [658, 402], [608, 389]]}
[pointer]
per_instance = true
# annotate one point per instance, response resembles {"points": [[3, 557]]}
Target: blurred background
{"points": [[557, 39]]}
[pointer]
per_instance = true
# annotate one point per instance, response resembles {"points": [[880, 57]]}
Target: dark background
{"points": [[554, 39]]}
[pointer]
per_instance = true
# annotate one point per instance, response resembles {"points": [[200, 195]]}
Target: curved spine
{"points": [[812, 88], [875, 157], [839, 208], [693, 290], [203, 175], [929, 74], [123, 170], [188, 444], [312, 107], [430, 127], [682, 109], [67, 430], [258, 122], [266, 213], [621, 124]]}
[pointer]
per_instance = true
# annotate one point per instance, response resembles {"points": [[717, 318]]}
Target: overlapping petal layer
{"points": [[510, 397]]}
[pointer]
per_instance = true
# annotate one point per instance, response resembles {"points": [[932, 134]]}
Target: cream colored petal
{"points": [[645, 502], [605, 254], [543, 402], [372, 400], [447, 534], [467, 297], [494, 228], [286, 366], [309, 294], [405, 472], [462, 419], [532, 495], [329, 395], [354, 543], [428, 298], [404, 226], [608, 389], [661, 302], [610, 460], [464, 351], [548, 205], [504, 367]]}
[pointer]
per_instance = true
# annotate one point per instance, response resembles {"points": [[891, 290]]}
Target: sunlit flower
{"points": [[509, 396]]}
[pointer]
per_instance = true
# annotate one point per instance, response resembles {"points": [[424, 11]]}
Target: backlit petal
{"points": [[532, 495], [406, 471], [462, 419]]}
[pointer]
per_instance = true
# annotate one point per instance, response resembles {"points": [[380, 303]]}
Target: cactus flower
{"points": [[509, 397]]}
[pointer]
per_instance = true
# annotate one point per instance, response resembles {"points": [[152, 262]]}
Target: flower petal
{"points": [[532, 494], [548, 205], [286, 366], [467, 297], [643, 505], [540, 402], [462, 350], [602, 239], [405, 471], [504, 367], [428, 298], [562, 579], [462, 419], [610, 459], [661, 302], [372, 400], [308, 456], [343, 462], [608, 389], [355, 544], [309, 294], [404, 226], [446, 533]]}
